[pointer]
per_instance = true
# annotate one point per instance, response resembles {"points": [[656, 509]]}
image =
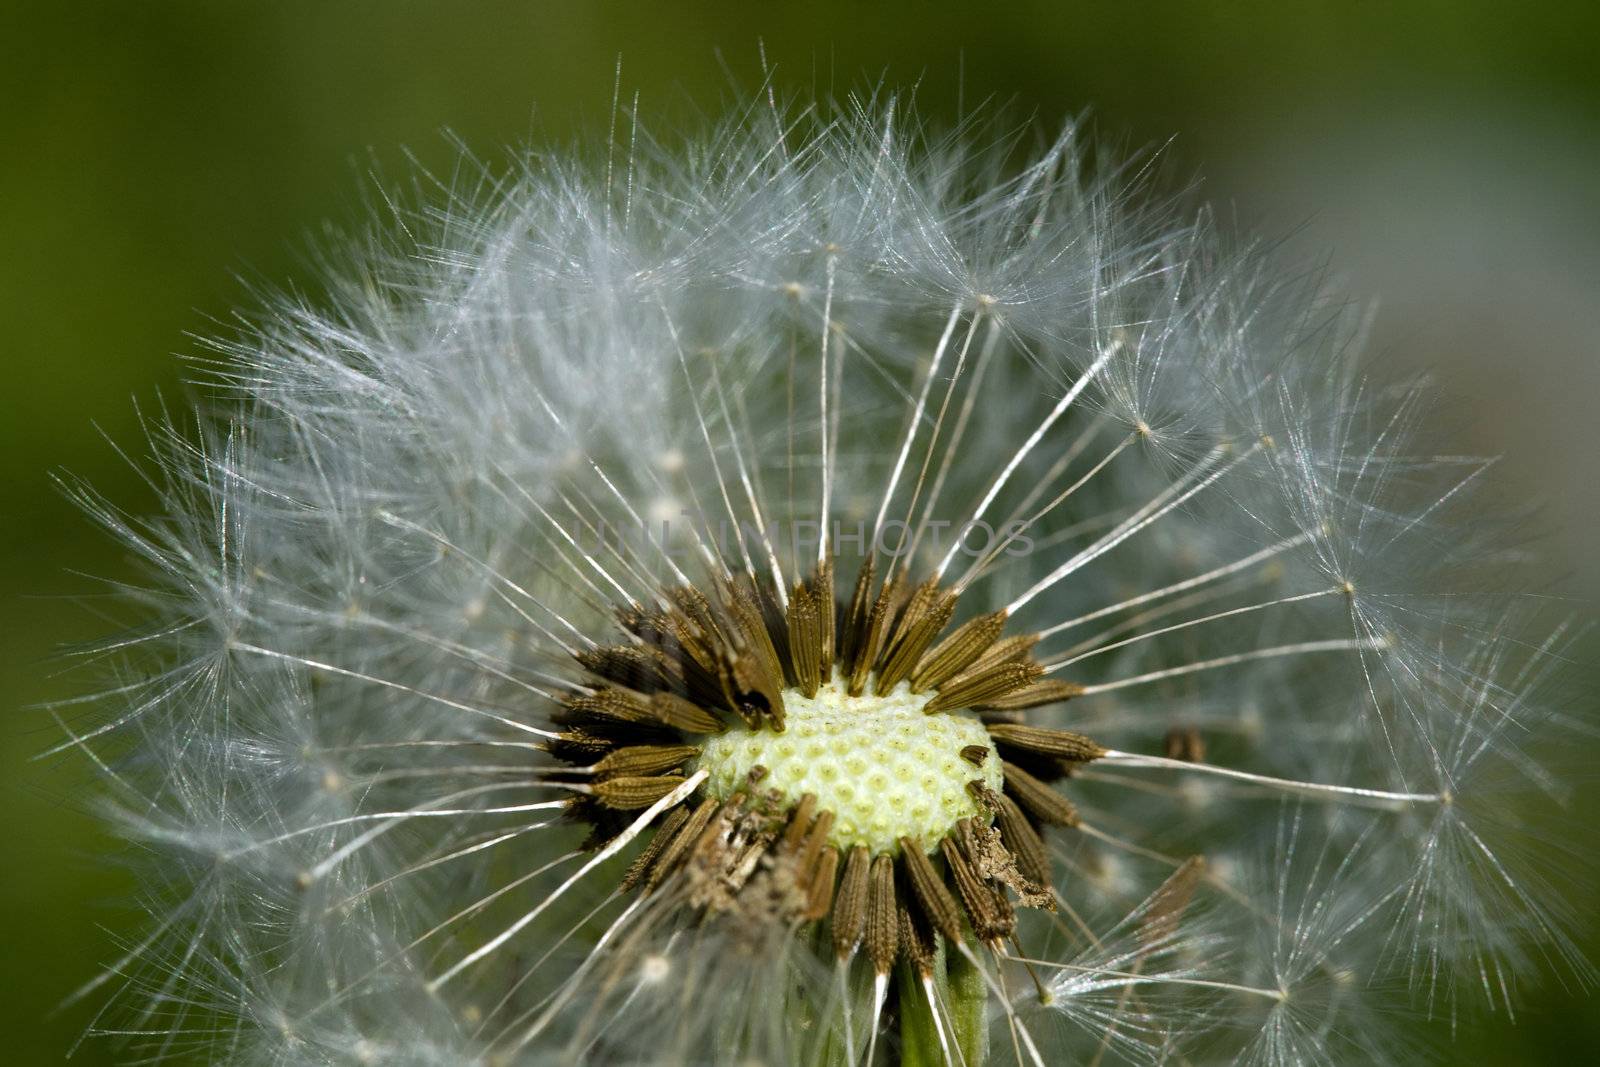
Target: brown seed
{"points": [[1037, 798], [926, 614], [757, 669], [882, 922], [629, 794], [644, 760], [637, 619], [658, 844], [757, 610], [1047, 691], [799, 822], [975, 690], [692, 643], [975, 754], [854, 630], [879, 621], [694, 606], [721, 821], [958, 651], [579, 746], [822, 589], [685, 715], [928, 888], [917, 941], [819, 886], [989, 912], [805, 640], [985, 848], [1033, 858], [752, 621], [850, 903], [921, 600], [776, 621], [646, 669], [1058, 744], [678, 848], [1006, 650], [816, 839], [1016, 832], [610, 717], [613, 703]]}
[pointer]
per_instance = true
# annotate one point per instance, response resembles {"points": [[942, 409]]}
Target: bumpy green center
{"points": [[884, 767]]}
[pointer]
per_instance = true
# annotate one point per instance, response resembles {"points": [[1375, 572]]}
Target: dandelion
{"points": [[818, 592]]}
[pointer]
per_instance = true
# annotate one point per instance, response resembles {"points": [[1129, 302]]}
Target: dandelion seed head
{"points": [[814, 591]]}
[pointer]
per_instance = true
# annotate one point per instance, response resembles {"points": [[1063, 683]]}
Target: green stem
{"points": [[957, 983], [919, 1035], [968, 998]]}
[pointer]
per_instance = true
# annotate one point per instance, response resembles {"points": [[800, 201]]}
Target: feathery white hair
{"points": [[369, 577]]}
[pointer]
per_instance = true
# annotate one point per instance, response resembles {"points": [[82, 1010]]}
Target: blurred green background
{"points": [[1441, 155]]}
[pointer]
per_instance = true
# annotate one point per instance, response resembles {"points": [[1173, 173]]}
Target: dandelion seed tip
{"points": [[304, 880], [671, 461], [1143, 429], [794, 289], [1347, 587], [986, 301], [1268, 442], [332, 781], [654, 969]]}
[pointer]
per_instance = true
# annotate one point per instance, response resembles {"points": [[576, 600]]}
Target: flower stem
{"points": [[969, 1003], [953, 1031]]}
